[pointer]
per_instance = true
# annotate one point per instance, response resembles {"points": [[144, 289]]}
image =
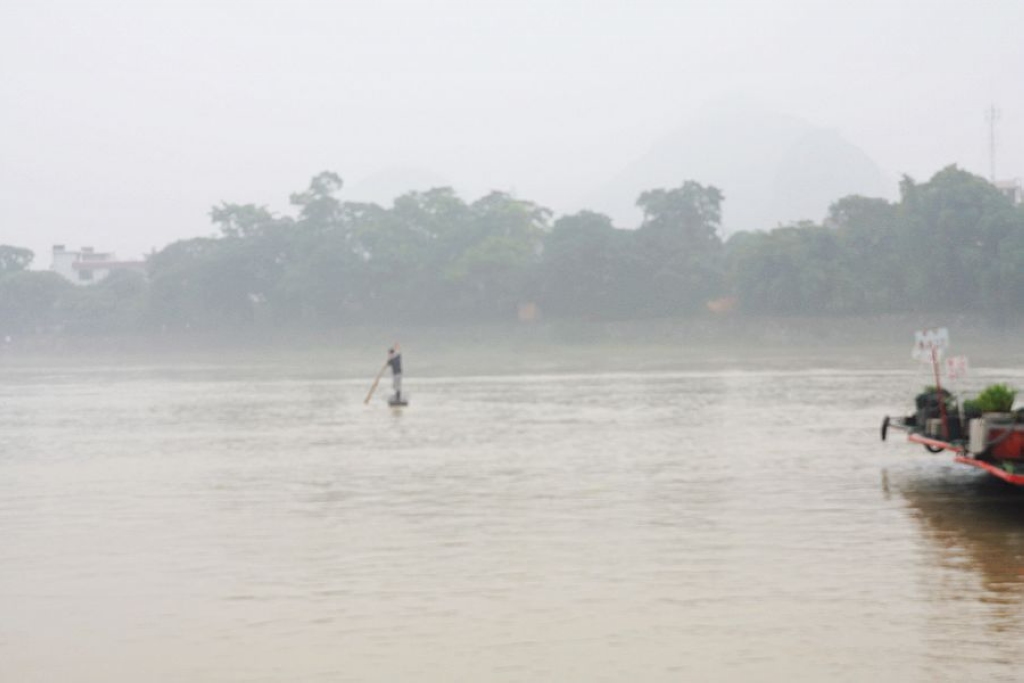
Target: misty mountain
{"points": [[772, 168]]}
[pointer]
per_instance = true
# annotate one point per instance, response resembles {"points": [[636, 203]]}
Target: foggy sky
{"points": [[122, 123]]}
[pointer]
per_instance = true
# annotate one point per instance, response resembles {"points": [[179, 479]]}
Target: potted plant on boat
{"points": [[996, 403], [971, 409], [933, 405], [998, 435]]}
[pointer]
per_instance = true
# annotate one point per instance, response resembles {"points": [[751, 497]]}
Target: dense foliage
{"points": [[954, 244], [996, 398]]}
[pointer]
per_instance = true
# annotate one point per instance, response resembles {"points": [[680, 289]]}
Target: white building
{"points": [[1011, 188], [88, 266]]}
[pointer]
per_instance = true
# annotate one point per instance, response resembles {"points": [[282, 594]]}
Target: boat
{"points": [[991, 440]]}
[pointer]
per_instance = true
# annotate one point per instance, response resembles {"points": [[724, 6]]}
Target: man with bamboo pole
{"points": [[395, 361]]}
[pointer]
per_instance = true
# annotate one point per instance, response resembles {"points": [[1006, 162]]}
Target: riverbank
{"points": [[664, 344]]}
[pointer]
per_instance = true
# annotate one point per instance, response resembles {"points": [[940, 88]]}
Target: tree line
{"points": [[953, 244]]}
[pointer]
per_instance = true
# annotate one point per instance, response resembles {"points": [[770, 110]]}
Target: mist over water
{"points": [[652, 316], [646, 264], [241, 521]]}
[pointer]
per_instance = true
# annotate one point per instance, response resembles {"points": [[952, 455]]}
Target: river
{"points": [[194, 522]]}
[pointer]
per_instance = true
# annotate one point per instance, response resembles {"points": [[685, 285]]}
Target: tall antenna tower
{"points": [[992, 115]]}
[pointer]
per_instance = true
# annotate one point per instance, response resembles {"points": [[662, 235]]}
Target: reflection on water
{"points": [[235, 525], [975, 527], [978, 520]]}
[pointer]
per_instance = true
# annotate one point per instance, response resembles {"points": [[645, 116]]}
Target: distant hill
{"points": [[772, 168]]}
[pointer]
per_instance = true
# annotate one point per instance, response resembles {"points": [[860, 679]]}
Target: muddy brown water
{"points": [[214, 522]]}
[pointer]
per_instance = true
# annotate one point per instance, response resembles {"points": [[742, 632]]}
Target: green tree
{"points": [[115, 305], [795, 269], [319, 205], [494, 265], [195, 286], [680, 243], [29, 301], [244, 220], [873, 277], [952, 229], [589, 267], [1004, 277], [13, 259]]}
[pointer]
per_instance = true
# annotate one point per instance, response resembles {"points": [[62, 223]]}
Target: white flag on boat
{"points": [[928, 341], [956, 367]]}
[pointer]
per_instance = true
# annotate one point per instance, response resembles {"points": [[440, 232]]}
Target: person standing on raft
{"points": [[395, 361]]}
